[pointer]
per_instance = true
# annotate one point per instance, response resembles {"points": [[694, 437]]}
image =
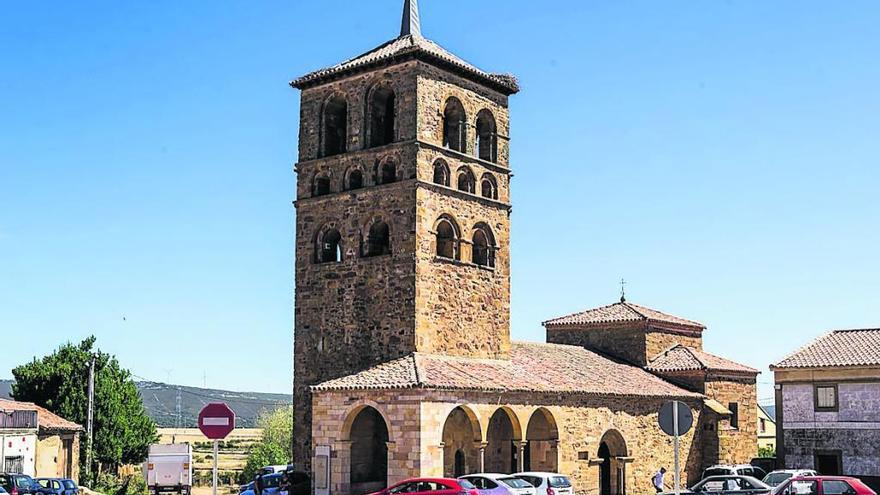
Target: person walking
{"points": [[657, 480]]}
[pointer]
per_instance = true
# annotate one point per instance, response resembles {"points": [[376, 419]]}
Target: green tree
{"points": [[274, 446], [766, 452], [59, 382]]}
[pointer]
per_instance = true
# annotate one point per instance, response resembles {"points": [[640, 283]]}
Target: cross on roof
{"points": [[622, 290], [410, 24]]}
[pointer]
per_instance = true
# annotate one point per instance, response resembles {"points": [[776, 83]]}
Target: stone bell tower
{"points": [[403, 204]]}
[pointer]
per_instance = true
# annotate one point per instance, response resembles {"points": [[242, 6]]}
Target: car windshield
{"points": [[774, 479], [24, 482], [467, 485], [515, 482], [716, 472], [69, 484], [559, 482]]}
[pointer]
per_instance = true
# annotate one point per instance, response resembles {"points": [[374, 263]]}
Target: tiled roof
{"points": [[408, 45], [47, 420], [622, 312], [682, 358], [839, 348], [532, 367]]}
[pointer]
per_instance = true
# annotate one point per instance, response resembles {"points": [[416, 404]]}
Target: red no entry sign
{"points": [[216, 420]]}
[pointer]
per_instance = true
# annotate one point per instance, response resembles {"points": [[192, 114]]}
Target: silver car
{"points": [[547, 483]]}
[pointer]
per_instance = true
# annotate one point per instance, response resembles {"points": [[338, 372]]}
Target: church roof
{"points": [[840, 348], [683, 358], [622, 312], [532, 367], [410, 44]]}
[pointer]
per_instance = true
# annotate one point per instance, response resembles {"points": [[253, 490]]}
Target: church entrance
{"points": [[612, 470], [369, 452], [461, 436], [502, 444], [542, 440]]}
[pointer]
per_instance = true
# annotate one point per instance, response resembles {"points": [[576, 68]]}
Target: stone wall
{"points": [[740, 444], [659, 341], [636, 343], [859, 448]]}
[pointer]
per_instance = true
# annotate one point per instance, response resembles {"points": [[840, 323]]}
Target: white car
{"points": [[776, 478], [737, 470], [500, 484], [547, 483]]}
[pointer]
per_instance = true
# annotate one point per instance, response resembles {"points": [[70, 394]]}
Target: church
{"points": [[403, 362]]}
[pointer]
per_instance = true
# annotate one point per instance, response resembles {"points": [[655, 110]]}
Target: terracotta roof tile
{"points": [[682, 358], [47, 420], [840, 348], [403, 46], [622, 312], [532, 367]]}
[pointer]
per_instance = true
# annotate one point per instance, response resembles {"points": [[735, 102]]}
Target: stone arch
{"points": [[441, 172], [328, 245], [454, 125], [354, 178], [334, 125], [367, 429], [387, 170], [321, 184], [466, 181], [488, 186], [483, 245], [542, 439], [487, 136], [503, 442], [461, 439], [376, 238], [447, 237], [612, 470], [381, 114]]}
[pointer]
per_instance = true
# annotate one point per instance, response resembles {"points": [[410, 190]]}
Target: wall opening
{"points": [[487, 137], [502, 449], [447, 238], [321, 186], [542, 440], [441, 173], [461, 435], [612, 471], [369, 452], [335, 130], [355, 180], [483, 246], [329, 249], [378, 240], [381, 112], [454, 128], [466, 180], [488, 187]]}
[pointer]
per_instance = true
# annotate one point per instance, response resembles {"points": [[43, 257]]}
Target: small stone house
{"points": [[37, 442], [403, 361], [828, 405]]}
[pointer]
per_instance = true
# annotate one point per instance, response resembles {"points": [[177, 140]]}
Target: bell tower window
{"points": [[335, 130], [466, 180], [483, 246], [454, 125], [447, 238], [378, 240], [381, 116], [441, 173], [329, 248], [487, 137], [386, 172], [322, 186], [488, 187]]}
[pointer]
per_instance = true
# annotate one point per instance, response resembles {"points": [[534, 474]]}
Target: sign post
{"points": [[675, 420], [216, 421]]}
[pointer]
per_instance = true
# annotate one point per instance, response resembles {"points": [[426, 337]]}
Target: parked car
{"points": [[274, 469], [768, 464], [246, 487], [18, 484], [500, 484], [271, 485], [547, 483], [779, 476], [431, 486], [730, 484], [2, 490], [50, 486], [70, 486], [737, 470], [823, 485], [296, 482]]}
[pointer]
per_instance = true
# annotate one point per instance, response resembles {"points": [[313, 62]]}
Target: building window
{"points": [[386, 173], [329, 249], [826, 397], [488, 187], [355, 180], [466, 180], [441, 173], [381, 114], [454, 120], [378, 240], [447, 239], [483, 246], [487, 137], [762, 425], [734, 414], [335, 129], [322, 186]]}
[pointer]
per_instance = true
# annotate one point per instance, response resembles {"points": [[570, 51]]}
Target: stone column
{"points": [[340, 467], [482, 447], [521, 460]]}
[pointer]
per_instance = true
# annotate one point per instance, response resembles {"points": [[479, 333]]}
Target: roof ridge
{"points": [[415, 361], [577, 313], [630, 305]]}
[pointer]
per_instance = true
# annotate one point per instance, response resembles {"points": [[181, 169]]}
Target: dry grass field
{"points": [[233, 451]]}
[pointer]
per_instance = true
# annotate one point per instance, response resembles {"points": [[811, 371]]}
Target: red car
{"points": [[431, 486], [823, 485]]}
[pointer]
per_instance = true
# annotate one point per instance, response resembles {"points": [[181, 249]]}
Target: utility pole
{"points": [[91, 416]]}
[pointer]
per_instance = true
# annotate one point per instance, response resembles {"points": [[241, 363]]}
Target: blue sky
{"points": [[721, 156]]}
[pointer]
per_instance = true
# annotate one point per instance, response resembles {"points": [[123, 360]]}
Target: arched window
{"points": [[386, 172], [335, 130], [378, 240], [441, 173], [355, 180], [447, 238], [381, 114], [329, 247], [466, 180], [488, 187], [487, 137], [483, 249], [321, 186], [454, 128]]}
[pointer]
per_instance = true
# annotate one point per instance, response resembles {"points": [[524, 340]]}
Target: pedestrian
{"points": [[258, 484], [658, 480]]}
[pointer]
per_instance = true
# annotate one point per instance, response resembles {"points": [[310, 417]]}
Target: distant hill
{"points": [[160, 400]]}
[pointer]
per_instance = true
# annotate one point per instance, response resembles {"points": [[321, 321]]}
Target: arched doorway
{"points": [[461, 437], [369, 452], [612, 471], [502, 443], [542, 439]]}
